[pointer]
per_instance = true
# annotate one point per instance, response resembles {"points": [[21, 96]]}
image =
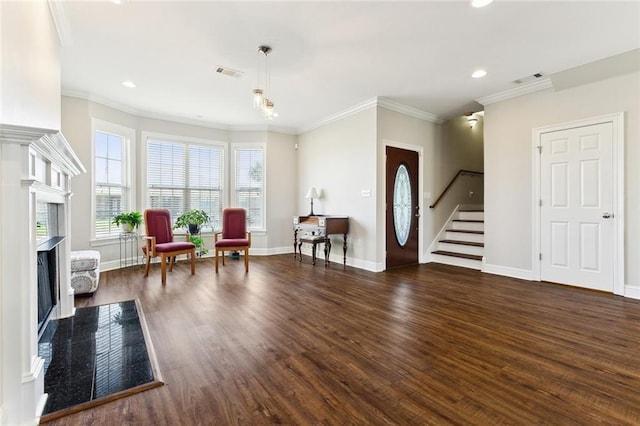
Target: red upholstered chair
{"points": [[159, 242], [234, 235]]}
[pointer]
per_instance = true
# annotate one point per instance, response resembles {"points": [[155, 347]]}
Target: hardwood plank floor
{"points": [[292, 343]]}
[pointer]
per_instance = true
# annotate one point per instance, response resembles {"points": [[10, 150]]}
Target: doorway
{"points": [[580, 204], [402, 207]]}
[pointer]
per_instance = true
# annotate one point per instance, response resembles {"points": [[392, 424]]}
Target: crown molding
{"points": [[340, 115], [375, 102], [61, 22], [141, 113], [370, 103], [524, 89], [264, 128], [410, 111], [157, 116]]}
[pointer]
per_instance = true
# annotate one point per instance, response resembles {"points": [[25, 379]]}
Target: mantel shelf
{"points": [[50, 244]]}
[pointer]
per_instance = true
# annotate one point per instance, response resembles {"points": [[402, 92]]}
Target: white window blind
{"points": [[185, 176], [111, 184], [249, 185]]}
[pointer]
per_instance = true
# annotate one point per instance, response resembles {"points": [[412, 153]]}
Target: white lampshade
{"points": [[312, 193]]}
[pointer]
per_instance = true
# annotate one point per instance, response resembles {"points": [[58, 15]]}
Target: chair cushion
{"points": [[174, 246], [232, 242]]}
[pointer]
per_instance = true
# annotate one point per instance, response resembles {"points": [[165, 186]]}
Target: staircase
{"points": [[461, 241]]}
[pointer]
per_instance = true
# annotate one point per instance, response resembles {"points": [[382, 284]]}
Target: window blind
{"points": [[249, 185], [111, 186], [184, 176]]}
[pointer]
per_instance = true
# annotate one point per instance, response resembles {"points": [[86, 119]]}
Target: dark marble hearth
{"points": [[96, 353]]}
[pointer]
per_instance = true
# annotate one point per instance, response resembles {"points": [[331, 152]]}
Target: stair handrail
{"points": [[461, 172]]}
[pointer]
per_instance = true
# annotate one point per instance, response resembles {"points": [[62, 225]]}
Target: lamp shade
{"points": [[312, 193]]}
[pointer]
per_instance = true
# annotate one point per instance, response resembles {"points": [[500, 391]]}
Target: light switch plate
{"points": [[365, 193]]}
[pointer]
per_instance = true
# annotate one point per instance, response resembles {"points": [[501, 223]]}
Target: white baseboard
{"points": [[632, 291], [506, 271]]}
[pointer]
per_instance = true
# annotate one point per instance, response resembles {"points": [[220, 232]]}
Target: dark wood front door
{"points": [[402, 207]]}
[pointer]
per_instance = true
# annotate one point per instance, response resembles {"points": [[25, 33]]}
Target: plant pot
{"points": [[127, 227], [194, 229]]}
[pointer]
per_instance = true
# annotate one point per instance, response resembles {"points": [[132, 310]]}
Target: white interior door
{"points": [[576, 213]]}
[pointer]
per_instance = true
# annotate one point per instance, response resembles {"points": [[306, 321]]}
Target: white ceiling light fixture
{"points": [[471, 119], [479, 73], [480, 3], [128, 83], [261, 95]]}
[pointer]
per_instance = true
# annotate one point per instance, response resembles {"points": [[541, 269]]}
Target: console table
{"points": [[316, 229]]}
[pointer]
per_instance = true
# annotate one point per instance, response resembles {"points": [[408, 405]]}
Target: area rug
{"points": [[100, 354]]}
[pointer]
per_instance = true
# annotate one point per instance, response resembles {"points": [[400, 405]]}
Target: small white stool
{"points": [[85, 271]]}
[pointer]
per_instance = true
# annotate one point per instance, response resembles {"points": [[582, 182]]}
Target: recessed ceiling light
{"points": [[128, 83], [480, 3], [479, 73]]}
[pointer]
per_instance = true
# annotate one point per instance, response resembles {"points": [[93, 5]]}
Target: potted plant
{"points": [[199, 243], [128, 221], [192, 220]]}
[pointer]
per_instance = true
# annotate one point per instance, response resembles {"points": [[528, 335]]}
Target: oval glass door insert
{"points": [[402, 205]]}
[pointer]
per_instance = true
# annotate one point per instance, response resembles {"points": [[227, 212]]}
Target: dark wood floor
{"points": [[291, 343]]}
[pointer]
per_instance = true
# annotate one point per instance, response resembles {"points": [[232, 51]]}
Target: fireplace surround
{"points": [[37, 166]]}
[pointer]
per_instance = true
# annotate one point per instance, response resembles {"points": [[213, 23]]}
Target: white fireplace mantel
{"points": [[37, 165]]}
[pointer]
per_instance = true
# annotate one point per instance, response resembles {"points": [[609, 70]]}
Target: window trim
{"points": [[129, 136], [237, 146]]}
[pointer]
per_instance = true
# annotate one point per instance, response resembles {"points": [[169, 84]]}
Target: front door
{"points": [[576, 212], [402, 207]]}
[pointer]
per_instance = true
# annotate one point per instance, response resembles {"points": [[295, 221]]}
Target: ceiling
{"points": [[327, 56]]}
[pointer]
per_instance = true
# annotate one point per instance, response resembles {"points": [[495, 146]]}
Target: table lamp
{"points": [[312, 193]]}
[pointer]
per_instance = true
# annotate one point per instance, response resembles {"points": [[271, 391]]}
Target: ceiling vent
{"points": [[529, 78], [229, 72]]}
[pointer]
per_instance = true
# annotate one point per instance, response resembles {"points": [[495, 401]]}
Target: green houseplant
{"points": [[128, 221], [192, 220]]}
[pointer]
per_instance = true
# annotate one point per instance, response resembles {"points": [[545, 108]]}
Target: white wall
{"points": [[508, 165], [30, 78], [280, 180], [282, 191], [339, 159]]}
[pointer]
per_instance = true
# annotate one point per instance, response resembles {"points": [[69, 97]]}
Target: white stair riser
{"points": [[461, 248], [464, 236], [457, 261], [468, 226], [471, 215]]}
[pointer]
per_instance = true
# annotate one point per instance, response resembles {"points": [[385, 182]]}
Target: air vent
{"points": [[529, 78], [229, 72]]}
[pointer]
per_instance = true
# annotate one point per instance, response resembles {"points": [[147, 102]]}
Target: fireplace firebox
{"points": [[48, 282]]}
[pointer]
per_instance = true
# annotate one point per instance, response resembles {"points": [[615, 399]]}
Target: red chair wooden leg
{"points": [[163, 261]]}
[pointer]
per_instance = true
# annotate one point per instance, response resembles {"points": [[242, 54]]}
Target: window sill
{"points": [[105, 241]]}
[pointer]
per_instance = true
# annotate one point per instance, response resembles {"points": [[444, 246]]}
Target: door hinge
{"points": [[540, 203], [539, 256], [539, 149]]}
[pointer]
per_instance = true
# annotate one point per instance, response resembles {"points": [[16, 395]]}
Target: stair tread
{"points": [[468, 220], [468, 231], [464, 243], [471, 210], [462, 255]]}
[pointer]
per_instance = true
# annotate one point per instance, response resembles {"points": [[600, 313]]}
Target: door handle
{"points": [[607, 215]]}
